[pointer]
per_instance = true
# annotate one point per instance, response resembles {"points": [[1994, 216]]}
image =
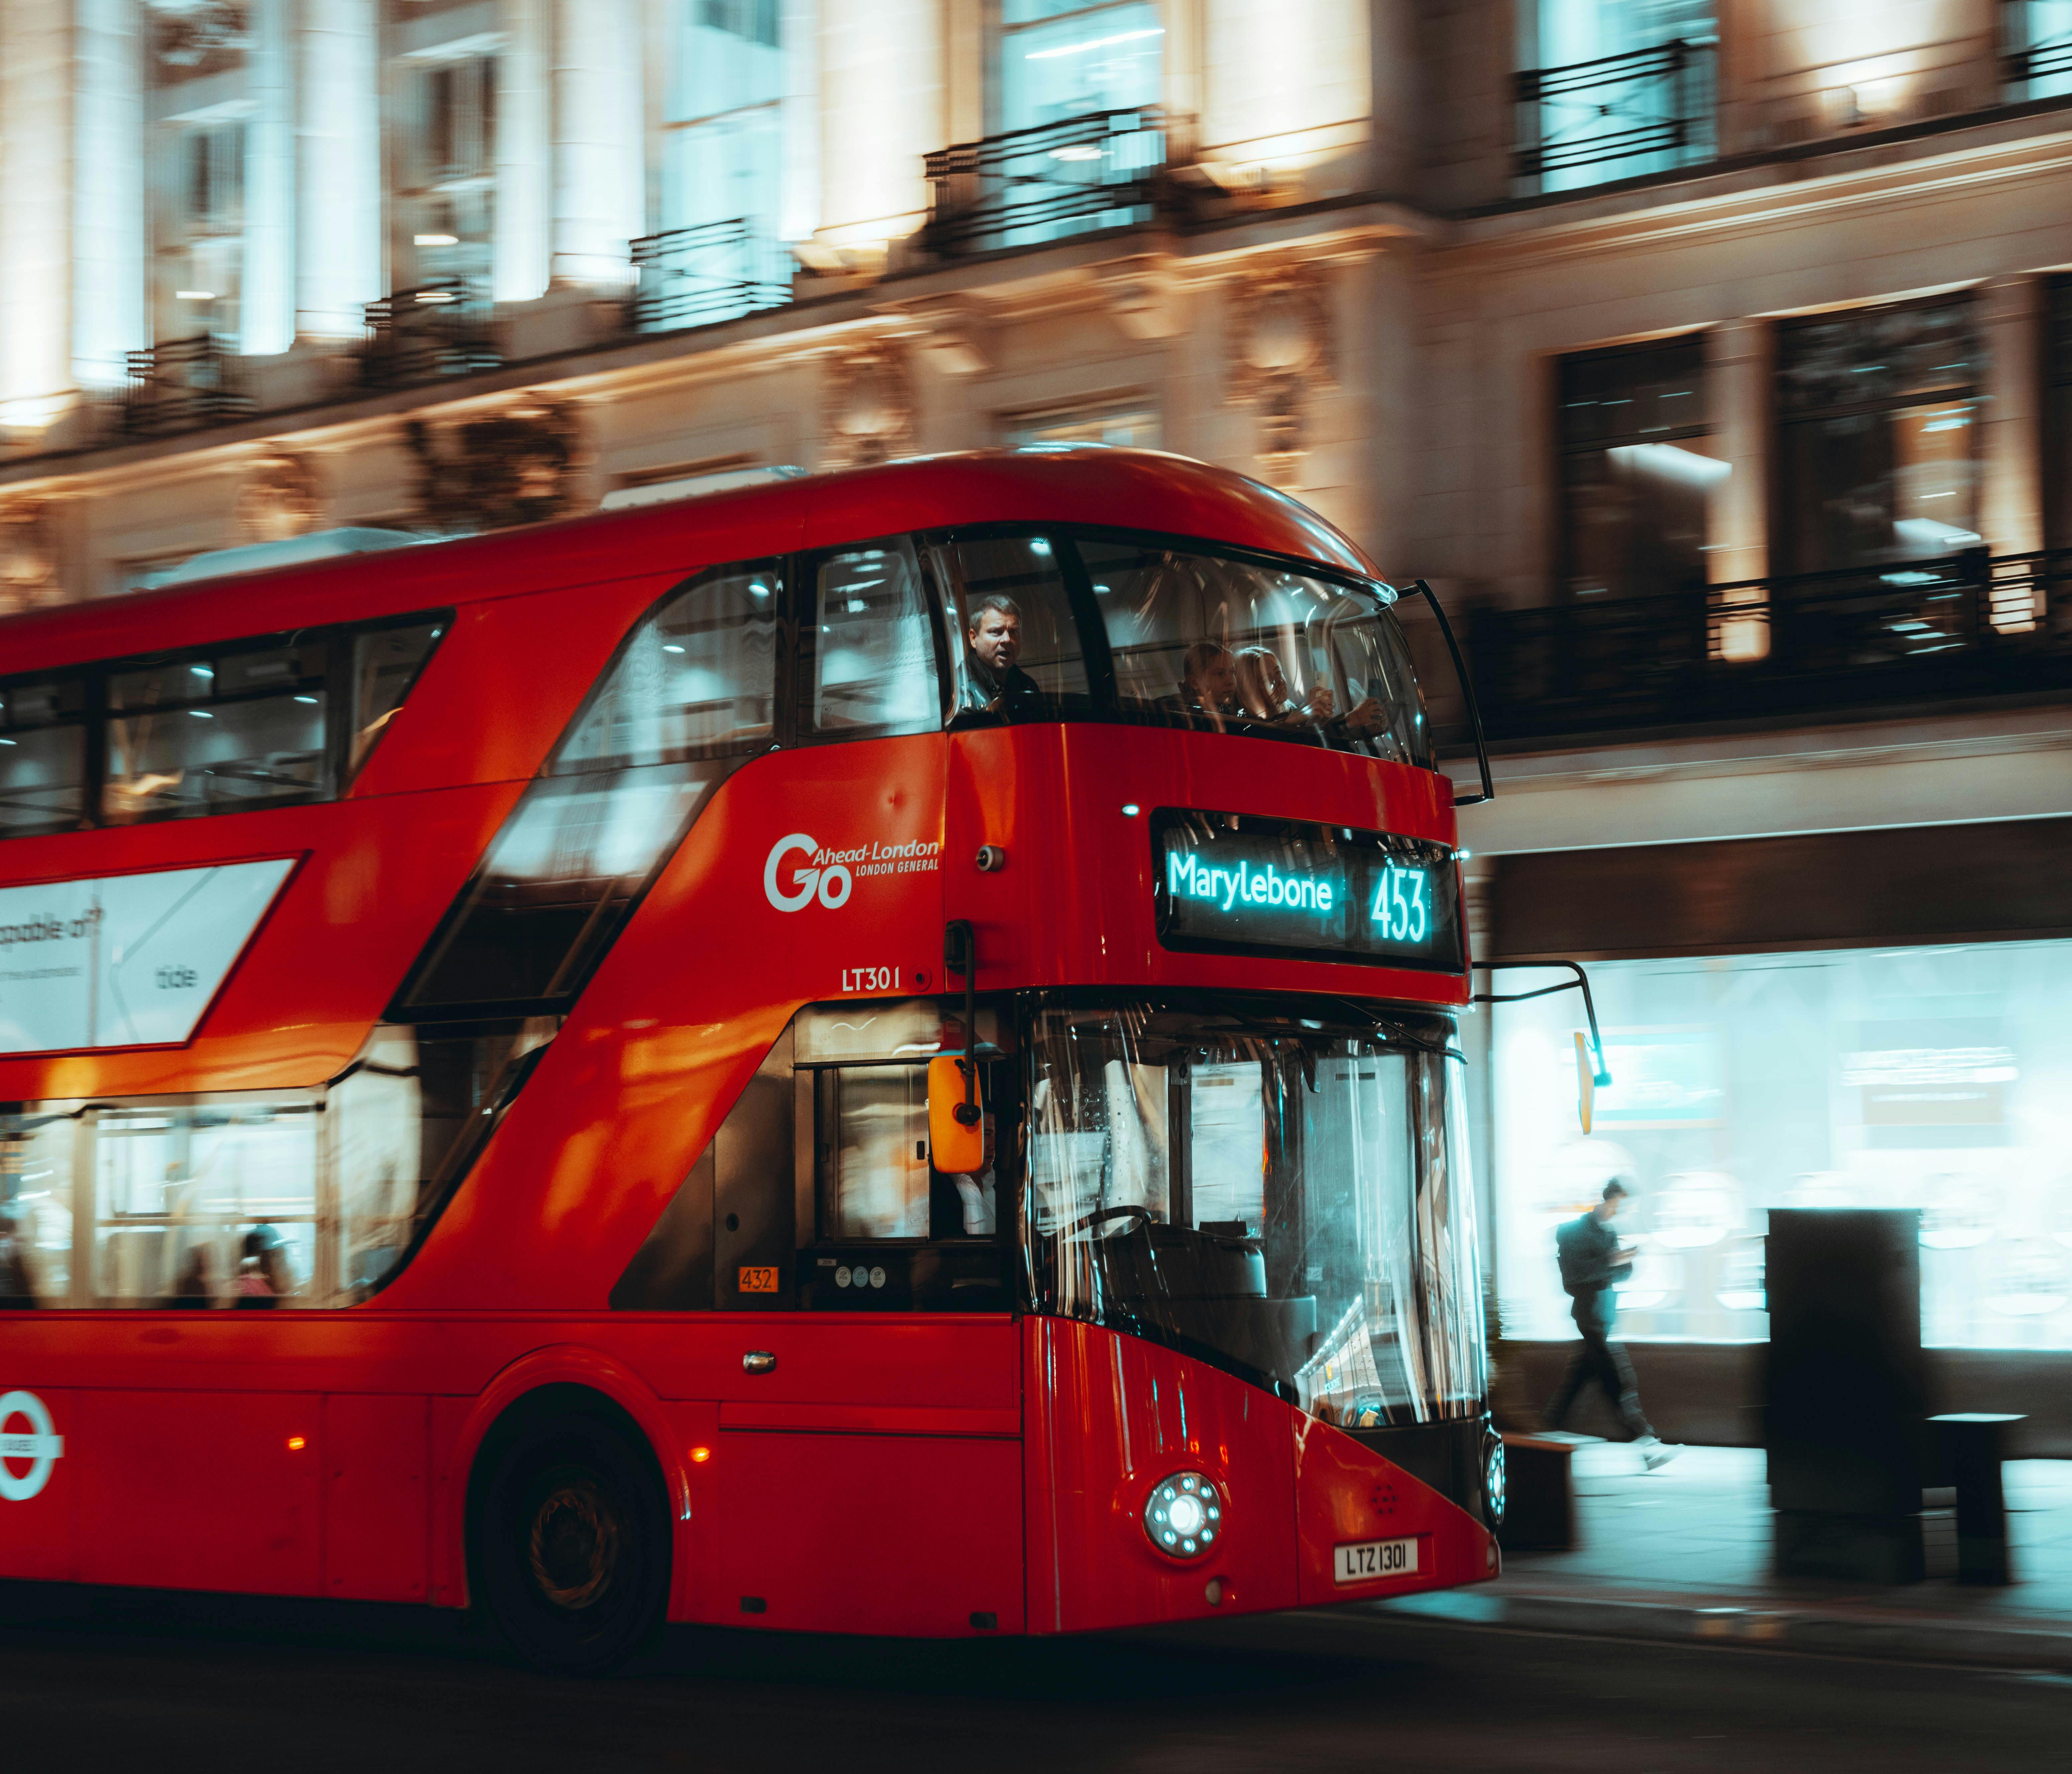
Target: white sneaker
{"points": [[1658, 1454]]}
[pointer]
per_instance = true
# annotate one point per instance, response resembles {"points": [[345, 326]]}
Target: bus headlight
{"points": [[1184, 1515], [1493, 1481]]}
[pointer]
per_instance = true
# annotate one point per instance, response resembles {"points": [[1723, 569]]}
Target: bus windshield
{"points": [[1286, 1196]]}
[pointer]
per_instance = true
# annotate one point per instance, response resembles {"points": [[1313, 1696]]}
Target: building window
{"points": [[1614, 89], [1060, 59], [1638, 470], [1131, 422], [2036, 36], [200, 235], [447, 205], [1934, 1078], [1878, 446], [2058, 414], [725, 155]]}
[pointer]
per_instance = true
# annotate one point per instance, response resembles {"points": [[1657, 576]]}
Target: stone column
{"points": [[266, 297], [882, 110], [36, 216], [1739, 354], [599, 187], [337, 140], [109, 228], [524, 153]]}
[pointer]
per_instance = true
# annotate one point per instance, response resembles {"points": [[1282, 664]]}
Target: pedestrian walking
{"points": [[1593, 1262]]}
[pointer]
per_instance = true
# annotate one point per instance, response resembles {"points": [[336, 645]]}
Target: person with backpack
{"points": [[1593, 1262]]}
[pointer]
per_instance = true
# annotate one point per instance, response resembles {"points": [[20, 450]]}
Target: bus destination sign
{"points": [[1248, 886]]}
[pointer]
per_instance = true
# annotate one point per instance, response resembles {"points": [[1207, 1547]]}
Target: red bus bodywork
{"points": [[923, 1473]]}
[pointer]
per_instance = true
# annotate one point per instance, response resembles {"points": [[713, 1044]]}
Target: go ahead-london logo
{"points": [[39, 1446], [800, 869]]}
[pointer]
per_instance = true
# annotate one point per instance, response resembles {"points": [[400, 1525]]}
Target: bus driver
{"points": [[993, 642]]}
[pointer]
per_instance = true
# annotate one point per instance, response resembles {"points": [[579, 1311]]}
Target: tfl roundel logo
{"points": [[828, 882], [39, 1447]]}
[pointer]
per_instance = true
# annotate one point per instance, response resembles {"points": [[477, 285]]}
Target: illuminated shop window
{"points": [[1638, 470], [724, 156], [1879, 457], [1060, 59], [1937, 1078], [2037, 35]]}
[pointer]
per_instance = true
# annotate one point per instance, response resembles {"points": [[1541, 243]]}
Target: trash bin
{"points": [[1973, 1444]]}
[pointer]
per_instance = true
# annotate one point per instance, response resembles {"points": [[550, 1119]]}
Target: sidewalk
{"points": [[1683, 1553]]}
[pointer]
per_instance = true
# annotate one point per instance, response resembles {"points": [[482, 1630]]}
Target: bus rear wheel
{"points": [[572, 1548]]}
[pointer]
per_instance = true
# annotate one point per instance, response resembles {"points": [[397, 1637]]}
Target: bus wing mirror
{"points": [[1586, 1081], [956, 1117], [1487, 792]]}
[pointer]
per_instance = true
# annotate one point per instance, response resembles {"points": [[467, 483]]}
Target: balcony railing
{"points": [[1108, 170], [698, 276], [443, 327], [181, 385], [1617, 117], [1967, 625]]}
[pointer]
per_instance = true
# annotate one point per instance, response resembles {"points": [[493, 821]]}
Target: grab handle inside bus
{"points": [[1488, 792], [956, 1117]]}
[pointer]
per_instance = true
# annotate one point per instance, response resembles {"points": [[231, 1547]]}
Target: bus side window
{"points": [[1016, 577], [385, 664], [42, 757], [687, 697], [873, 646]]}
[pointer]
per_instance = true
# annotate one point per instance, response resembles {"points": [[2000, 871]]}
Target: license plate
{"points": [[1362, 1561]]}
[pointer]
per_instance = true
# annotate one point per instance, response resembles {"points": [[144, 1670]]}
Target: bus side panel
{"points": [[377, 1498], [39, 1507], [1110, 1417], [200, 1490], [918, 1535]]}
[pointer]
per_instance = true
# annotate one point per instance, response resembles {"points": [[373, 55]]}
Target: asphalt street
{"points": [[166, 1683]]}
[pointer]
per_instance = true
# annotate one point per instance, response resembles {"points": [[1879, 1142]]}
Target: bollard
{"points": [[1974, 1444]]}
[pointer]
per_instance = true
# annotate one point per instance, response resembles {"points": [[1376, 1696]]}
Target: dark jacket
{"points": [[1588, 1248], [985, 691]]}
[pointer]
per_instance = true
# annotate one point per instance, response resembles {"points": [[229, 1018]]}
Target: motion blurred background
{"points": [[1713, 362]]}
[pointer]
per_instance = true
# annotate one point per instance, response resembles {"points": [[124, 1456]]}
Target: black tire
{"points": [[572, 1544]]}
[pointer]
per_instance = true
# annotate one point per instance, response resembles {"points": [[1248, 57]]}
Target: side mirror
{"points": [[1586, 1081], [956, 1117]]}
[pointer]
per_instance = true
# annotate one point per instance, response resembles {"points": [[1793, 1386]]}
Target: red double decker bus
{"points": [[873, 1053]]}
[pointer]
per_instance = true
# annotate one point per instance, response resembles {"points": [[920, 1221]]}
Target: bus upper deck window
{"points": [[1014, 645], [1246, 646], [385, 664], [42, 757], [216, 733], [874, 646]]}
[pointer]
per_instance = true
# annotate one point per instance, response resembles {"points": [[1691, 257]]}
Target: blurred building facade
{"points": [[1712, 357]]}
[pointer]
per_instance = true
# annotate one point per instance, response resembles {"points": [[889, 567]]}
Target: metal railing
{"points": [[1965, 626], [181, 385], [1645, 110], [698, 276], [1106, 169], [444, 326]]}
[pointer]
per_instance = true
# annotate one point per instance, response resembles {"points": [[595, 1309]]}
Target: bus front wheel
{"points": [[573, 1544]]}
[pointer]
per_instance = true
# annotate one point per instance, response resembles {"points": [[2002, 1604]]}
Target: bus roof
{"points": [[1084, 483]]}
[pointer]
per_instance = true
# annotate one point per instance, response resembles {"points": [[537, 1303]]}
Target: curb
{"points": [[1917, 1640]]}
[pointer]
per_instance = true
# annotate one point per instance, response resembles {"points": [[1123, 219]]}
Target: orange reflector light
{"points": [[700, 1456], [296, 1444]]}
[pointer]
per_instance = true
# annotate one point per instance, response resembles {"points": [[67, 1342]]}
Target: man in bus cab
{"points": [[992, 682]]}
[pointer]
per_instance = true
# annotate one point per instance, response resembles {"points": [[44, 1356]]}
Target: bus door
{"points": [[867, 1472]]}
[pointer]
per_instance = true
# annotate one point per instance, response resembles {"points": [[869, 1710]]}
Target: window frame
{"points": [[337, 773]]}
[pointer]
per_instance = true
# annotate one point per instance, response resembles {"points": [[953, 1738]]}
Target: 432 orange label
{"points": [[758, 1281]]}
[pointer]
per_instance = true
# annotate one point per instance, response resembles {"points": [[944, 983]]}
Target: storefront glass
{"points": [[1936, 1077]]}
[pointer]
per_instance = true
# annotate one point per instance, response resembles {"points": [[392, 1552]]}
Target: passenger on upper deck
{"points": [[1263, 687], [993, 642]]}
